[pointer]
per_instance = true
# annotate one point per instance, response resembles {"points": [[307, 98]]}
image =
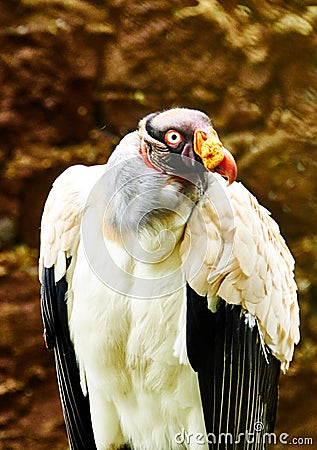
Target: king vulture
{"points": [[167, 295]]}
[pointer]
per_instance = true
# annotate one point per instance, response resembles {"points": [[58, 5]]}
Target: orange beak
{"points": [[214, 156]]}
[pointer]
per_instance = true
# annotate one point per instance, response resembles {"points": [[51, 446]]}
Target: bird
{"points": [[167, 295]]}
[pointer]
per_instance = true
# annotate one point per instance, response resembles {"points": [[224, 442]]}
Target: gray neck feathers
{"points": [[137, 195]]}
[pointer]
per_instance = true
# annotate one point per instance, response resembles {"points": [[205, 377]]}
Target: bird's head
{"points": [[181, 141]]}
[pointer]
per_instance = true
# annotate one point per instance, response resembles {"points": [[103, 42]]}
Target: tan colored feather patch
{"points": [[259, 271]]}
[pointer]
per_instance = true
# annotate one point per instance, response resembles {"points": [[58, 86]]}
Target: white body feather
{"points": [[139, 391]]}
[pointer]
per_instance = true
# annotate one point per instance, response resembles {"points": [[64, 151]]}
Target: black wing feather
{"points": [[75, 405], [238, 382]]}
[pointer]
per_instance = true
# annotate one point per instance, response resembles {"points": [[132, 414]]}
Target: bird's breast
{"points": [[127, 297]]}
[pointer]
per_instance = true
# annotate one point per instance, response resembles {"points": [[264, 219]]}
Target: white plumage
{"points": [[129, 335]]}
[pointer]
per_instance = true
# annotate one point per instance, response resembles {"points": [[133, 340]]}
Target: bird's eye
{"points": [[173, 137]]}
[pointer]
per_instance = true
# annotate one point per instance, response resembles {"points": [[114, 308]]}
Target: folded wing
{"points": [[242, 313], [60, 236]]}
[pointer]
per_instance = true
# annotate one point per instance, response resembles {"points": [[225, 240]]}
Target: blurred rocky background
{"points": [[77, 75]]}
